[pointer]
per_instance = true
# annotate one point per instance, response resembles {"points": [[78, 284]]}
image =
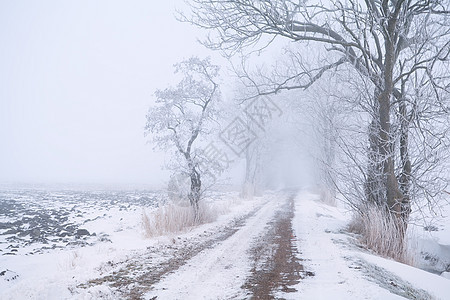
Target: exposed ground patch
{"points": [[276, 266]]}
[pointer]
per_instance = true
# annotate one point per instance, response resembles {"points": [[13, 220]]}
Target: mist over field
{"points": [[76, 82], [229, 149]]}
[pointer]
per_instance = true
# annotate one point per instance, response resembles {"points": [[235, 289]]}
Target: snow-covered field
{"points": [[50, 239], [91, 245], [33, 221]]}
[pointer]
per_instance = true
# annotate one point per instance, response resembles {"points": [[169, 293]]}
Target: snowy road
{"points": [[284, 245], [220, 272], [293, 247]]}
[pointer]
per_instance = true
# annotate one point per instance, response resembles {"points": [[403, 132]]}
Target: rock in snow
{"points": [[81, 232], [8, 275]]}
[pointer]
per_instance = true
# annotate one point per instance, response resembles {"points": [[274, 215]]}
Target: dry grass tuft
{"points": [[379, 232], [173, 218]]}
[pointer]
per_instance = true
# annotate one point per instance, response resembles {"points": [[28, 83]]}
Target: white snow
{"points": [[49, 275], [434, 284], [339, 266], [432, 246], [316, 226], [341, 269]]}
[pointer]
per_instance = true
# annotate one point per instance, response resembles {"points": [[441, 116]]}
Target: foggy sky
{"points": [[77, 78]]}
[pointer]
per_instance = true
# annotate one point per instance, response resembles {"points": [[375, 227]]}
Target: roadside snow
{"points": [[431, 241], [436, 285], [317, 226], [343, 271]]}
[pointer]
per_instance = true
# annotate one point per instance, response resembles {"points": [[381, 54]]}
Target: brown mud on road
{"points": [[276, 266]]}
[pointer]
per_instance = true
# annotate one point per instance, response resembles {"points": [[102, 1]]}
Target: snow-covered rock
{"points": [[446, 275]]}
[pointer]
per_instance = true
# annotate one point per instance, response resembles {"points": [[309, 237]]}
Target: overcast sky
{"points": [[76, 80]]}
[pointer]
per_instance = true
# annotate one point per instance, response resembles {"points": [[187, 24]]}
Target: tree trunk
{"points": [[393, 193], [374, 186], [394, 196], [194, 194], [252, 163], [328, 191], [405, 176]]}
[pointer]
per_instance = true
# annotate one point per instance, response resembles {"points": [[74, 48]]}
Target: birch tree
{"points": [[182, 115]]}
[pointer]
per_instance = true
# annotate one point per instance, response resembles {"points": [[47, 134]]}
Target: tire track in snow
{"points": [[221, 271], [138, 274]]}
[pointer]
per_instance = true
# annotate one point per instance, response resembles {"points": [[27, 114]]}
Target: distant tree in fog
{"points": [[181, 115]]}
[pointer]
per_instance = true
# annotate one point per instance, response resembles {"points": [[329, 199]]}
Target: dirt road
{"points": [[253, 256]]}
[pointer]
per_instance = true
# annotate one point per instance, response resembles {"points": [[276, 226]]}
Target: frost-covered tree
{"points": [[252, 179], [401, 49], [181, 115]]}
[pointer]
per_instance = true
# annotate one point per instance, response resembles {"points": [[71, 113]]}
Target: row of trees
{"points": [[393, 53], [398, 49]]}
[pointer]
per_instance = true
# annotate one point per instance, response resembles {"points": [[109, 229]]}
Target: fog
{"points": [[77, 79]]}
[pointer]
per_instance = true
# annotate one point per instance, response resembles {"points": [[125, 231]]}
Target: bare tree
{"points": [[324, 113], [252, 179], [396, 46], [182, 114]]}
